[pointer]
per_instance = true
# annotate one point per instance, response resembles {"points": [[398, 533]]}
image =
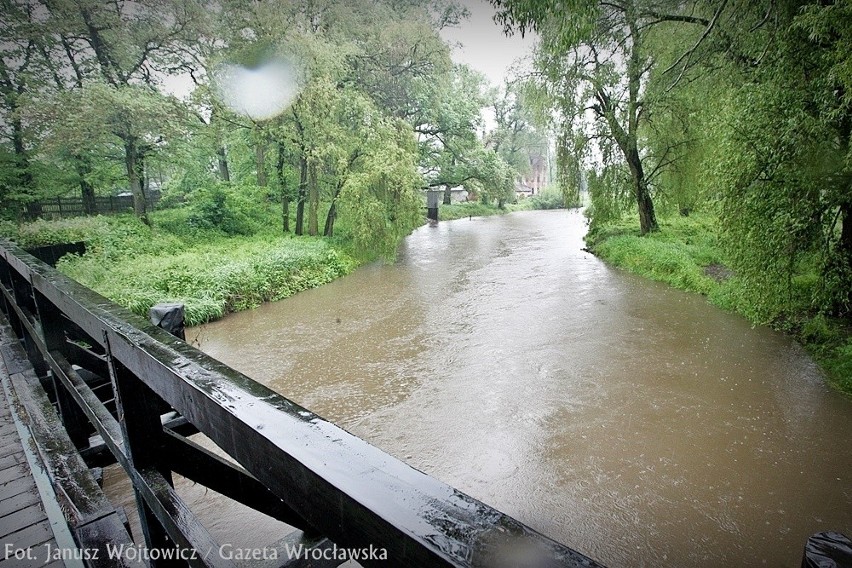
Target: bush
{"points": [[232, 209], [214, 279], [838, 363], [549, 198], [467, 209]]}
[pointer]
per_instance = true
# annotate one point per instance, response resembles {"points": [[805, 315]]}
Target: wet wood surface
{"points": [[23, 522]]}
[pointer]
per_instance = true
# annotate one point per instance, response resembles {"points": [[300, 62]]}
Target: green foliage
{"points": [[231, 209], [516, 137], [774, 168], [553, 198], [379, 194], [550, 197], [609, 194], [837, 362], [467, 209], [211, 275], [677, 255], [116, 236]]}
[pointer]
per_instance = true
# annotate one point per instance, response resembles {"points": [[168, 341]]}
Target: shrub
{"points": [[232, 209], [549, 198], [214, 279]]}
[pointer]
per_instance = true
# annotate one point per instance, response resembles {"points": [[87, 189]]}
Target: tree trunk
{"points": [[282, 185], [303, 192], [133, 160], [329, 220], [448, 195], [845, 244], [647, 217], [313, 200], [222, 158], [260, 163], [332, 213], [221, 152], [87, 190]]}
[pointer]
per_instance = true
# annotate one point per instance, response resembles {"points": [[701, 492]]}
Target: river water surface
{"points": [[633, 422]]}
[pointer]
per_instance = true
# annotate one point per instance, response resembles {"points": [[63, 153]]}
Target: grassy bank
{"points": [[234, 264], [212, 273], [468, 209], [549, 198], [686, 254]]}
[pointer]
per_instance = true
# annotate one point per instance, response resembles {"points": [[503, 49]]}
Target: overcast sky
{"points": [[484, 47], [478, 42]]}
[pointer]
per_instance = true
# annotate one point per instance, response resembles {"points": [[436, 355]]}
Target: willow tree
{"points": [[593, 58], [380, 194], [784, 165]]}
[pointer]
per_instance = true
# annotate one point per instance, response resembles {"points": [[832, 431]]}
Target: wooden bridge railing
{"points": [[294, 466]]}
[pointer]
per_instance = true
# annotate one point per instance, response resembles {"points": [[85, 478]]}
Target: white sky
{"points": [[484, 47]]}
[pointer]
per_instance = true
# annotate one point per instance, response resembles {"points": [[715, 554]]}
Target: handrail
{"points": [[313, 473]]}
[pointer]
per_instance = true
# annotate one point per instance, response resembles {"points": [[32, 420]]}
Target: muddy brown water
{"points": [[633, 422]]}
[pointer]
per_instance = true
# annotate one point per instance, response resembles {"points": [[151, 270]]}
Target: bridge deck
{"points": [[24, 524]]}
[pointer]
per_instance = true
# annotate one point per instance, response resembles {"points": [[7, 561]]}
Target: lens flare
{"points": [[260, 92]]}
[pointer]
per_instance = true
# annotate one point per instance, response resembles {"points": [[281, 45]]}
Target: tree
{"points": [[447, 126], [18, 54], [122, 42], [517, 138], [380, 193], [593, 57], [783, 167]]}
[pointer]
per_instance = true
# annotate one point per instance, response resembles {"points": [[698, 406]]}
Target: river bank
{"points": [[211, 272], [687, 255]]}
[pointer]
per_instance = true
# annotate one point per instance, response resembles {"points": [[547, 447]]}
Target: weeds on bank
{"points": [[213, 273]]}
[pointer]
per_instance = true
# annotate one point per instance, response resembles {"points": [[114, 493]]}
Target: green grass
{"points": [[210, 272], [680, 254], [224, 276], [676, 255], [468, 209]]}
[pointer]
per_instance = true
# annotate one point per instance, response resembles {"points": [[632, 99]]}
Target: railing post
{"points": [[169, 317], [53, 331], [5, 281], [139, 410], [22, 291]]}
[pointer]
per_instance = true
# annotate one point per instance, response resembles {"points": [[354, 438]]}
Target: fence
{"points": [[75, 207]]}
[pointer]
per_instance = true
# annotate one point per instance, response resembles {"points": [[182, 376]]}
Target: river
{"points": [[633, 422]]}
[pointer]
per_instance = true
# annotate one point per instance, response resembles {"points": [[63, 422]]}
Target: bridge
{"points": [[87, 383]]}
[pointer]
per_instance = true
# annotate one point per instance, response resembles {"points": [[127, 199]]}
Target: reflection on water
{"points": [[633, 422]]}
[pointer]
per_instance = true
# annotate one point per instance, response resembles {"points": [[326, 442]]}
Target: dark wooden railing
{"points": [[116, 381]]}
